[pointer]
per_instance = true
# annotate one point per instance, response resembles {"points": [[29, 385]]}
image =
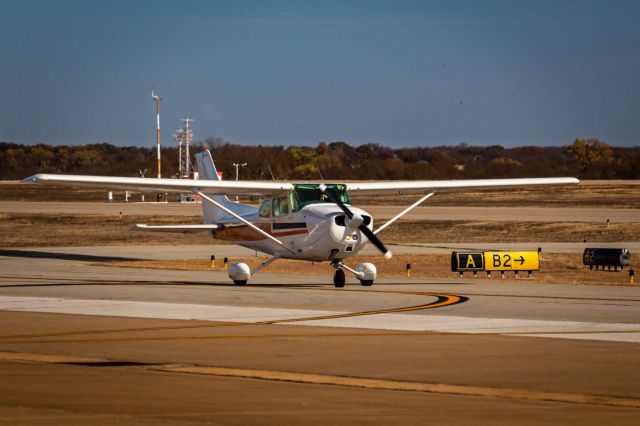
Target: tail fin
{"points": [[206, 169], [212, 214]]}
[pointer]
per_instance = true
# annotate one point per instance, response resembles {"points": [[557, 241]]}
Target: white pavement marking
{"points": [[633, 337], [505, 326], [618, 332], [180, 311]]}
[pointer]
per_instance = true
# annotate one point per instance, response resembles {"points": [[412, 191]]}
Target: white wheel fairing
{"points": [[239, 272], [366, 271]]}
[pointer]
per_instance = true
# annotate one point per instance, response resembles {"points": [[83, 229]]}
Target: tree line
{"points": [[585, 158]]}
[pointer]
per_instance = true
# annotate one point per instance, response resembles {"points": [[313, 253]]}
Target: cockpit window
{"points": [[280, 206], [265, 208], [308, 193]]}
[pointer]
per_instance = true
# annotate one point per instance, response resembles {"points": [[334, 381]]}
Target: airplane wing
{"points": [[221, 187], [416, 186], [226, 187], [176, 228]]}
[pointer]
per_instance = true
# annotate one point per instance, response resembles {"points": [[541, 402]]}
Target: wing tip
{"points": [[33, 179]]}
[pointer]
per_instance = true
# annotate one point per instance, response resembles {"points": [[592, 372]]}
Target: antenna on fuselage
{"points": [[320, 173]]}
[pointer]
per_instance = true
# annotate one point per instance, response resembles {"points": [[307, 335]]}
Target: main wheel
{"points": [[366, 283], [338, 278], [239, 282]]}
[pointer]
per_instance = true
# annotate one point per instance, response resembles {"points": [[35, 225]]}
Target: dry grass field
{"points": [[554, 268], [612, 194], [29, 230], [34, 230], [39, 230]]}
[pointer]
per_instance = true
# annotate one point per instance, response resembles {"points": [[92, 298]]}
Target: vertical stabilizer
{"points": [[212, 214]]}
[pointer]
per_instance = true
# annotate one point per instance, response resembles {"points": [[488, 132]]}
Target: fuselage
{"points": [[318, 231]]}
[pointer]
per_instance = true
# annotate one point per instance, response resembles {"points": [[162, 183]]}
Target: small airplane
{"points": [[304, 221]]}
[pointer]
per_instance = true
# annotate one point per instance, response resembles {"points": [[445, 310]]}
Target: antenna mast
{"points": [[157, 100], [184, 136]]}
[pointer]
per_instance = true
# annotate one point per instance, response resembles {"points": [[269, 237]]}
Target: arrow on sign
{"points": [[521, 260]]}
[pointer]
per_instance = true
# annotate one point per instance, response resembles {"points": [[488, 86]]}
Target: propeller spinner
{"points": [[357, 221]]}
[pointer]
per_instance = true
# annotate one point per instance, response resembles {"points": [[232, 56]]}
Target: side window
{"points": [[265, 208], [293, 199], [280, 206]]}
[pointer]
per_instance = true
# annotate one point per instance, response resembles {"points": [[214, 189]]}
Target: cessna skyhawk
{"points": [[305, 221]]}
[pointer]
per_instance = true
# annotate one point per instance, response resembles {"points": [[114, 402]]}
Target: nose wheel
{"points": [[339, 278]]}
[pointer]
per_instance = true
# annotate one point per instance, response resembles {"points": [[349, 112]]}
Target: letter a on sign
{"points": [[470, 262]]}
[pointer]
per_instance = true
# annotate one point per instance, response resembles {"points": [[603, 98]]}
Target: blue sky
{"points": [[399, 73]]}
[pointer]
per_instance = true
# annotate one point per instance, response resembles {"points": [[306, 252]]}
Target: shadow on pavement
{"points": [[63, 256]]}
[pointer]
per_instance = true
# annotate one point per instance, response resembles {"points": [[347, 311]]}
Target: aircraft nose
{"points": [[344, 229]]}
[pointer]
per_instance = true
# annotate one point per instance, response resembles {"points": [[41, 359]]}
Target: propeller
{"points": [[356, 220]]}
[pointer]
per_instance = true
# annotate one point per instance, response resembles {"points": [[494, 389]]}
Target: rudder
{"points": [[210, 213]]}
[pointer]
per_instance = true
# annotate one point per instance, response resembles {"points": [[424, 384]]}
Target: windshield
{"points": [[308, 193]]}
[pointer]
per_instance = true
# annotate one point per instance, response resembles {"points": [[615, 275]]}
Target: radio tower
{"points": [[184, 136]]}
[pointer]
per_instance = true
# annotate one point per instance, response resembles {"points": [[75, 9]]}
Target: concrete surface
{"points": [[87, 344]]}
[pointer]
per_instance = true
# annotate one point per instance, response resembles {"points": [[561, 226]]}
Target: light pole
{"points": [[237, 165], [142, 173], [157, 100]]}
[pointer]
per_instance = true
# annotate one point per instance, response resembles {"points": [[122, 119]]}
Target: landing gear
{"points": [[240, 272], [364, 272]]}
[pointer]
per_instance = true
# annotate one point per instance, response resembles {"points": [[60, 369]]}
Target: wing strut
{"points": [[265, 263], [405, 211], [243, 220]]}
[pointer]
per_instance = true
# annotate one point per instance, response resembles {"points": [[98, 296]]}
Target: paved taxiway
{"points": [[88, 344], [158, 252], [517, 214]]}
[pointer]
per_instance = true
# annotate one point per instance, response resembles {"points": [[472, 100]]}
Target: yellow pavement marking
{"points": [[221, 337], [380, 384], [441, 301], [333, 380], [49, 359]]}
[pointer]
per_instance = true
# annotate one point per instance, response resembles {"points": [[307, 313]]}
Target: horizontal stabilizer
{"points": [[176, 228]]}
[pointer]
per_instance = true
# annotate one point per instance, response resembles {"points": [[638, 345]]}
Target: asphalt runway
{"points": [[81, 343], [426, 212]]}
